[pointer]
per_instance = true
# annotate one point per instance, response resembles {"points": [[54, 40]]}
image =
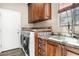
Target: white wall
{"points": [[54, 22], [21, 7]]}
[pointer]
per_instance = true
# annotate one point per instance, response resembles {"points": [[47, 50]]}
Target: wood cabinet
{"points": [[70, 51], [42, 47], [39, 12], [36, 43], [47, 11], [53, 49], [50, 48], [45, 47]]}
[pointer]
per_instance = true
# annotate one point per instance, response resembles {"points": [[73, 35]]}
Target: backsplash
{"points": [[44, 34]]}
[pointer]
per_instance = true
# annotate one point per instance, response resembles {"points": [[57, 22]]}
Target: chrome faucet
{"points": [[71, 27]]}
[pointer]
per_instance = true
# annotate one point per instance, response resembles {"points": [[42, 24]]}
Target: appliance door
{"points": [[10, 29], [25, 44]]}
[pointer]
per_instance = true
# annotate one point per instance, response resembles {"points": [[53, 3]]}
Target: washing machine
{"points": [[25, 42], [28, 43]]}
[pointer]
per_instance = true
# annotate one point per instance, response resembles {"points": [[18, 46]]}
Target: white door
{"points": [[10, 29]]}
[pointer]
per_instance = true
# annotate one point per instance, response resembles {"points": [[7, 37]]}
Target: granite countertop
{"points": [[68, 41]]}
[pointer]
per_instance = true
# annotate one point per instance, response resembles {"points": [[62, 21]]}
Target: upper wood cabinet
{"points": [[39, 12]]}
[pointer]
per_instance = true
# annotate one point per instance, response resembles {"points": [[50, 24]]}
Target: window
{"points": [[76, 15], [65, 18], [68, 16]]}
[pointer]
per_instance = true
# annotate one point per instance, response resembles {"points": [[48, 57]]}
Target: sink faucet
{"points": [[71, 28]]}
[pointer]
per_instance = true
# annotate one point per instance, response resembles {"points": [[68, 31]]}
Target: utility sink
{"points": [[72, 41], [57, 38], [69, 40]]}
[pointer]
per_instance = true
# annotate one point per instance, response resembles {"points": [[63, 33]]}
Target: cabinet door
{"points": [[51, 50], [42, 47], [39, 12], [35, 12], [36, 44], [47, 14], [30, 13], [58, 50], [69, 53]]}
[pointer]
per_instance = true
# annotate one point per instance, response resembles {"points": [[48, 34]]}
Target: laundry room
{"points": [[39, 29]]}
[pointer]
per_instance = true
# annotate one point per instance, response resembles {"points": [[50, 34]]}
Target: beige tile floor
{"points": [[13, 52]]}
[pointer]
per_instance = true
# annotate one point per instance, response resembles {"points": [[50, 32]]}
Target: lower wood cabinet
{"points": [[45, 47], [48, 48], [42, 47], [70, 51], [53, 49]]}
